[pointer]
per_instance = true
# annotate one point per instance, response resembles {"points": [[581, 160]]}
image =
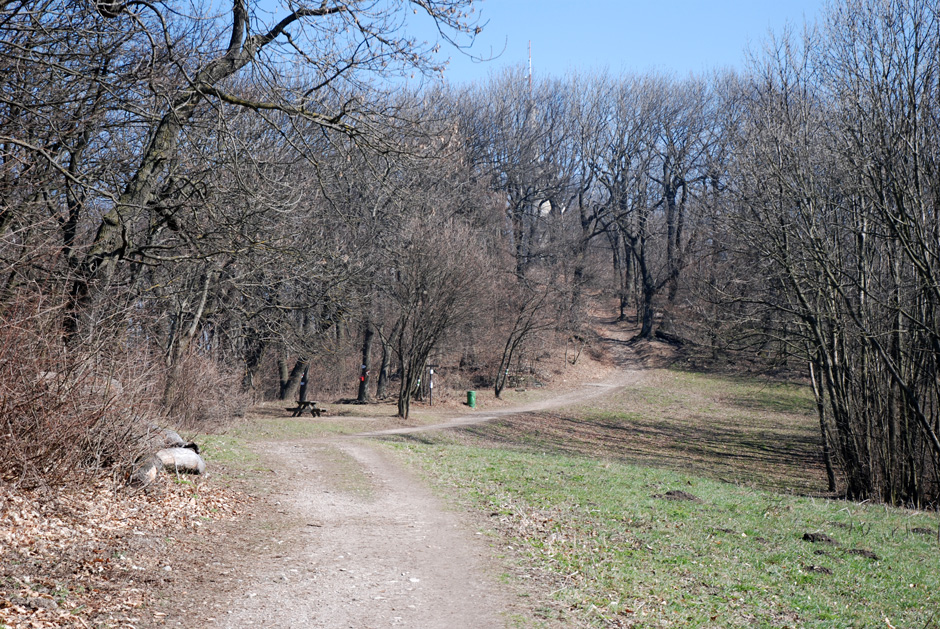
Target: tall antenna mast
{"points": [[530, 67]]}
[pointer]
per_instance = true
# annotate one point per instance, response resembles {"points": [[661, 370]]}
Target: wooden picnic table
{"points": [[307, 405]]}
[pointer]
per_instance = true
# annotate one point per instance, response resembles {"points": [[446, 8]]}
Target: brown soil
{"points": [[323, 532], [343, 536], [338, 534]]}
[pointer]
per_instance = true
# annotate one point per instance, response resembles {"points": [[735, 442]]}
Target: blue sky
{"points": [[672, 36]]}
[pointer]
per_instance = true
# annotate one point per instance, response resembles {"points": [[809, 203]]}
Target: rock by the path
{"points": [[146, 472], [155, 438], [182, 460], [172, 439]]}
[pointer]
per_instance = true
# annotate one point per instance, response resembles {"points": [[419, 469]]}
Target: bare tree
{"points": [[517, 134], [625, 126], [434, 272], [526, 309], [140, 79], [834, 178]]}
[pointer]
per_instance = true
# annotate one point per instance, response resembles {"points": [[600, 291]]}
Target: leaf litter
{"points": [[89, 556]]}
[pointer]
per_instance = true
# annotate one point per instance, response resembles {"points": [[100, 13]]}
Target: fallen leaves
{"points": [[86, 556]]}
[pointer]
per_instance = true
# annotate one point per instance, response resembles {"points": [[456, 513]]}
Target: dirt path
{"points": [[375, 549], [580, 395], [348, 538]]}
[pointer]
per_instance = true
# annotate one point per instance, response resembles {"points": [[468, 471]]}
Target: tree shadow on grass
{"points": [[780, 460]]}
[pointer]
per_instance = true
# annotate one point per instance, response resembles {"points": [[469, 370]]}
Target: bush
{"points": [[67, 411], [202, 395]]}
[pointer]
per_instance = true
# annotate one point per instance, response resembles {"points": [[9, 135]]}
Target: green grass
{"points": [[576, 500], [610, 545], [742, 431], [226, 449], [271, 421], [233, 447]]}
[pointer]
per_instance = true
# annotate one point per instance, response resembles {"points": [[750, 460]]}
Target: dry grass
{"points": [[669, 504], [749, 432]]}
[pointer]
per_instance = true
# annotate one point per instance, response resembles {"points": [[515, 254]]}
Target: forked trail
{"points": [[348, 538]]}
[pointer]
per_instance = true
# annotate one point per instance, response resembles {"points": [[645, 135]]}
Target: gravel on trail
{"points": [[380, 553], [344, 536]]}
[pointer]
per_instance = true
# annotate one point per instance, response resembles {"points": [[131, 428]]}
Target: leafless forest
{"points": [[200, 204]]}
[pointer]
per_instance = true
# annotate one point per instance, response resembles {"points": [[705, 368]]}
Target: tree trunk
{"points": [[290, 386], [824, 434], [302, 393], [521, 246], [381, 387], [647, 312], [367, 337], [580, 251], [405, 390], [648, 288], [254, 352]]}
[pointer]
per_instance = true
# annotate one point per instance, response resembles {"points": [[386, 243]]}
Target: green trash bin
{"points": [[472, 399]]}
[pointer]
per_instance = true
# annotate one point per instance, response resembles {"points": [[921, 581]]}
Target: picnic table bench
{"points": [[307, 405]]}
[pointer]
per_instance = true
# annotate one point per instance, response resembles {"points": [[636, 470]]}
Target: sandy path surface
{"points": [[377, 554], [348, 538], [580, 395]]}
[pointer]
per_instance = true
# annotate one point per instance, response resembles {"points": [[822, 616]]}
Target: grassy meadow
{"points": [[684, 502]]}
